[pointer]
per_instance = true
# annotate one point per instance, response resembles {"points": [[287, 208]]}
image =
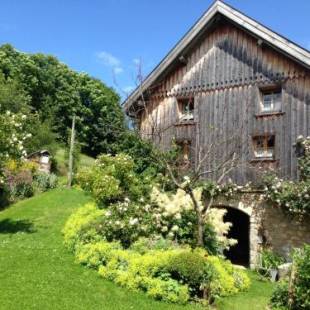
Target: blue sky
{"points": [[106, 38]]}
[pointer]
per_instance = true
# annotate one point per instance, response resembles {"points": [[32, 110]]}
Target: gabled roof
{"points": [[268, 36], [42, 152]]}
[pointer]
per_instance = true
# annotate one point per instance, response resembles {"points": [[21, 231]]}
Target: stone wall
{"points": [[283, 232], [269, 226]]}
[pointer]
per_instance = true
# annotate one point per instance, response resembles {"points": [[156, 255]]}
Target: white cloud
{"points": [[111, 61], [128, 89], [136, 61], [108, 59], [118, 70]]}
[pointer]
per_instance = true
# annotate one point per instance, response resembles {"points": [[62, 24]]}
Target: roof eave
{"points": [[277, 41]]}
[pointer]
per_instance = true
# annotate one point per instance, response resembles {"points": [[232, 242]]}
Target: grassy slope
{"points": [[36, 272], [255, 299]]}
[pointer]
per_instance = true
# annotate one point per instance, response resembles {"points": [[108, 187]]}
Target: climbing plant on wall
{"points": [[293, 197]]}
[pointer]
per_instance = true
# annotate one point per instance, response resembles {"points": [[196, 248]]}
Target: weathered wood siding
{"points": [[224, 73]]}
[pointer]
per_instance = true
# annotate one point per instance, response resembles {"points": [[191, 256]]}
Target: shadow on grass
{"points": [[8, 226]]}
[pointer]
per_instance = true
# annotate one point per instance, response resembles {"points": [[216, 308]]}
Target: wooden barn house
{"points": [[233, 86]]}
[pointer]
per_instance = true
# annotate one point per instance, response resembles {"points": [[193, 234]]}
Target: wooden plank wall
{"points": [[224, 74]]}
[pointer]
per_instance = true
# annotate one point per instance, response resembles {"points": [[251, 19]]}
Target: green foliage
{"points": [[279, 298], [12, 96], [21, 179], [126, 222], [28, 257], [12, 137], [301, 299], [229, 280], [293, 197], [194, 270], [143, 152], [154, 242], [303, 144], [56, 93], [271, 260], [96, 254], [297, 297], [79, 228], [43, 136], [112, 179], [167, 273], [44, 181]]}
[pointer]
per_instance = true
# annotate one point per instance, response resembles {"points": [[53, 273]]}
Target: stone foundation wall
{"points": [[269, 226], [283, 232]]}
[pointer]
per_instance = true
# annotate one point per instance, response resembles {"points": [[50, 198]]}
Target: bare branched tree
{"points": [[209, 163]]}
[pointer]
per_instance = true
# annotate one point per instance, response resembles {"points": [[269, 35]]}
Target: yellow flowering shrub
{"points": [[80, 226], [173, 274]]}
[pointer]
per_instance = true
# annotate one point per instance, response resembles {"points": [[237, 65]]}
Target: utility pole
{"points": [[70, 172]]}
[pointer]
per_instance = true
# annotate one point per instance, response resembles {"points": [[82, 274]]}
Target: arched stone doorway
{"points": [[245, 214], [240, 253]]}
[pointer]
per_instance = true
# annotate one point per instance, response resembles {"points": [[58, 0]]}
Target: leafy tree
{"points": [[43, 136], [56, 93], [12, 97], [143, 152]]}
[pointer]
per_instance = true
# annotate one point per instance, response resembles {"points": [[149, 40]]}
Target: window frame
{"points": [[183, 116], [263, 153], [271, 90]]}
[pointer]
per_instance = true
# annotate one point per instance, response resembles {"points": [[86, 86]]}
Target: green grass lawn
{"points": [[37, 272], [256, 298]]}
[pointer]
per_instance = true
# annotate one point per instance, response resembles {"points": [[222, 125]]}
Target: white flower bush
{"points": [[12, 137], [174, 210]]}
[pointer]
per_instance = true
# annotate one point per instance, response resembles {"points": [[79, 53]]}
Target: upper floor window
{"points": [[271, 101], [264, 146], [186, 109]]}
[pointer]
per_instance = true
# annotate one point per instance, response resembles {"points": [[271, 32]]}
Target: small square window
{"points": [[186, 109], [271, 101], [264, 146]]}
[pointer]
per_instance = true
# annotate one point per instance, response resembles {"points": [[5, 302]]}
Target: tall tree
{"points": [[56, 92]]}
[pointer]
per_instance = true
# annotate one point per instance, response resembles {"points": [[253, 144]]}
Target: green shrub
{"points": [[126, 222], [44, 181], [154, 242], [279, 298], [96, 254], [81, 226], [168, 290], [299, 295], [154, 265], [292, 197], [302, 280], [271, 260], [112, 179], [22, 180], [229, 280], [18, 179], [145, 272], [193, 269]]}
